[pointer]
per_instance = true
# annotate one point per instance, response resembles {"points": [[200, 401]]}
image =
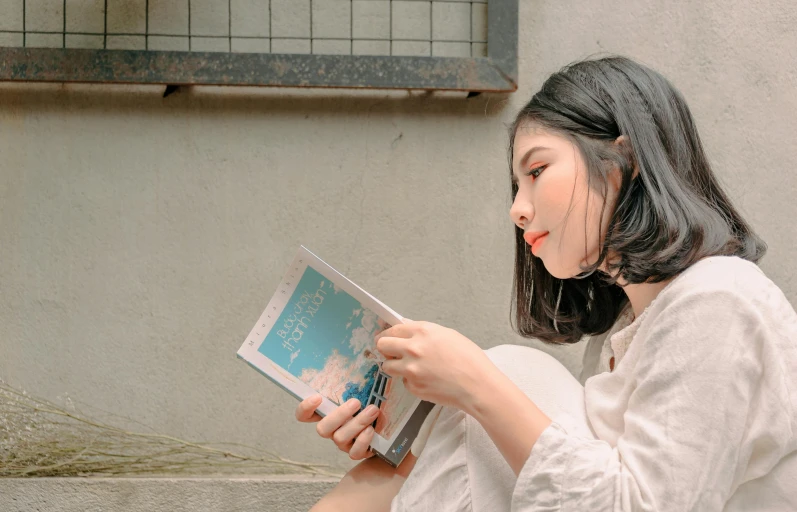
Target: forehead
{"points": [[530, 136]]}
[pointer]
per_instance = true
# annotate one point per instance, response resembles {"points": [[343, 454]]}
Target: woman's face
{"points": [[554, 206]]}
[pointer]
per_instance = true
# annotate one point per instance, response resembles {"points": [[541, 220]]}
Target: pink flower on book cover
{"points": [[331, 380]]}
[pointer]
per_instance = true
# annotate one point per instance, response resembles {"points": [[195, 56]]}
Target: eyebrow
{"points": [[525, 159]]}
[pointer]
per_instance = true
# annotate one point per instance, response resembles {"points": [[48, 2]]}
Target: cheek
{"points": [[580, 240], [597, 221], [600, 213]]}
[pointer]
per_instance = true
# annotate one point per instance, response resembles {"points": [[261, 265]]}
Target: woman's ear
{"points": [[615, 179], [625, 147]]}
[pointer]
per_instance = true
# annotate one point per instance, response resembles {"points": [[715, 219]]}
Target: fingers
{"points": [[346, 434], [337, 418], [305, 411], [359, 450], [397, 331], [391, 347], [393, 367]]}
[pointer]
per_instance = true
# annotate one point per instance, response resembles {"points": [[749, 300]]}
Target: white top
{"points": [[700, 412]]}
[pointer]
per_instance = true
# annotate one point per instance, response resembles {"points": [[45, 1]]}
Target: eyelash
{"points": [[535, 172]]}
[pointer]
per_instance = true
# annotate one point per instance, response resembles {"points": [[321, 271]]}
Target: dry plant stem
{"points": [[70, 444]]}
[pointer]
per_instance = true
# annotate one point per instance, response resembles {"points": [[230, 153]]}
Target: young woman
{"points": [[624, 236]]}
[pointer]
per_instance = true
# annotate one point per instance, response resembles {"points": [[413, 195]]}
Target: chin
{"points": [[559, 272]]}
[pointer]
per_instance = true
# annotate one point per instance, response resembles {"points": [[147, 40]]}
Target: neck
{"points": [[641, 295]]}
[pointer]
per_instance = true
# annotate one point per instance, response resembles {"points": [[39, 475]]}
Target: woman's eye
{"points": [[536, 171]]}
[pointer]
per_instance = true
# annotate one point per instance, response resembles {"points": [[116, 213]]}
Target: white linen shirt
{"points": [[700, 412]]}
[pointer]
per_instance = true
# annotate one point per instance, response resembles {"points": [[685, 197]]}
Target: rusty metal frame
{"points": [[495, 73]]}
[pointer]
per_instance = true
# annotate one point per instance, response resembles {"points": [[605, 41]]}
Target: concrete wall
{"points": [[208, 494], [140, 237]]}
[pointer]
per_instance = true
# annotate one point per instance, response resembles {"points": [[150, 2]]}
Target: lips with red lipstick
{"points": [[535, 239]]}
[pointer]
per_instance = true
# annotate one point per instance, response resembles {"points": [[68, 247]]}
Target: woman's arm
{"points": [[509, 417], [695, 419], [444, 367], [370, 486], [684, 439]]}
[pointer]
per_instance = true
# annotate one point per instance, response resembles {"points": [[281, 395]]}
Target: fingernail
{"points": [[352, 401], [371, 410]]}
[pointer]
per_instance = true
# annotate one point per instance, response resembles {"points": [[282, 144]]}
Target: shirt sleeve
{"points": [[684, 428]]}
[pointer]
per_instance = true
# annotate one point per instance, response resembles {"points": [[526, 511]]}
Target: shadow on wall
{"points": [[90, 98]]}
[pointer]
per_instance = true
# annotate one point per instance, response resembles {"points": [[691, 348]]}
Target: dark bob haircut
{"points": [[670, 211]]}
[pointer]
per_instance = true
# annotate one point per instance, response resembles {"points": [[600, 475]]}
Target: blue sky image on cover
{"points": [[325, 337]]}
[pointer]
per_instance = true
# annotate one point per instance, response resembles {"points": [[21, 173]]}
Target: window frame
{"points": [[495, 73]]}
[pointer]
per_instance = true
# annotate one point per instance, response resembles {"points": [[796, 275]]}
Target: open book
{"points": [[316, 336]]}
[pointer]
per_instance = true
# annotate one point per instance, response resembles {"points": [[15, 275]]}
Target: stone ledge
{"points": [[172, 494]]}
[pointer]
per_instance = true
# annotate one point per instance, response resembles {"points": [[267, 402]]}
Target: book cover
{"points": [[316, 336]]}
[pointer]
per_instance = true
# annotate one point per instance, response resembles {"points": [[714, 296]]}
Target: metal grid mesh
{"points": [[445, 28]]}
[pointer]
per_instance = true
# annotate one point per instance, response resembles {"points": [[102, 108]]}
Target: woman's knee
{"points": [[539, 375], [513, 359]]}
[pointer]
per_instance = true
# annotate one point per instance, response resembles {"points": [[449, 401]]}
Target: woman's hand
{"points": [[436, 363], [351, 434]]}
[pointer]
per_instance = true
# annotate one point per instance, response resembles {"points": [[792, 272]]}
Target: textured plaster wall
{"points": [[140, 237]]}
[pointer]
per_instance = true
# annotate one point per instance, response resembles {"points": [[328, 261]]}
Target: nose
{"points": [[522, 211]]}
